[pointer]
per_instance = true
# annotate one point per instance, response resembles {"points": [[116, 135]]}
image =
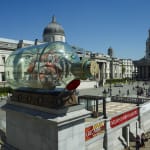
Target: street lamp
{"points": [[111, 73], [110, 89], [138, 94], [138, 124], [104, 103], [105, 119]]}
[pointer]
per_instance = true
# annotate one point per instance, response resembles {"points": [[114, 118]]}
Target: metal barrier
{"points": [[133, 100], [91, 103]]}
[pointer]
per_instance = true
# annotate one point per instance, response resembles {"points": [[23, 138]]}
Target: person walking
{"points": [[138, 142], [143, 139], [128, 92], [119, 92]]}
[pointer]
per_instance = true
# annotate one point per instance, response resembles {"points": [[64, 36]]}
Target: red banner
{"points": [[115, 121], [94, 130]]}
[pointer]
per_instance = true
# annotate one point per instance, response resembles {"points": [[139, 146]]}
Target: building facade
{"points": [[110, 67], [7, 46], [143, 65], [128, 68]]}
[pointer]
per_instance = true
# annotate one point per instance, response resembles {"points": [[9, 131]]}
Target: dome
{"points": [[53, 28]]}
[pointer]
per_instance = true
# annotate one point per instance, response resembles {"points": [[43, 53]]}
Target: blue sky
{"points": [[94, 25]]}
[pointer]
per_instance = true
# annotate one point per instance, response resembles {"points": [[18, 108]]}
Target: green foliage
{"points": [[5, 90], [113, 81]]}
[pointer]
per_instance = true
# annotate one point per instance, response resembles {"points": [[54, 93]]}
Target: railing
{"points": [[91, 103], [134, 100]]}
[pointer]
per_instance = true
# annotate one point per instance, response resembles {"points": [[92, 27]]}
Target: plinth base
{"points": [[33, 129], [44, 98]]}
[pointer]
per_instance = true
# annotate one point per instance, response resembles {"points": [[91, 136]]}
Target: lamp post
{"points": [[105, 119], [138, 123], [104, 103], [137, 104], [111, 75], [138, 93], [110, 89]]}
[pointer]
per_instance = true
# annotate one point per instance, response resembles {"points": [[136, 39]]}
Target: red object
{"points": [[73, 84], [115, 121], [94, 130]]}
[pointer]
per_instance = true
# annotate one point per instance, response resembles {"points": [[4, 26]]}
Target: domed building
{"points": [[53, 32], [143, 65]]}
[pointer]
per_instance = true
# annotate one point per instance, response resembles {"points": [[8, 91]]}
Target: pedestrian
{"points": [[108, 90], [119, 92], [133, 88], [128, 92], [138, 142], [143, 140]]}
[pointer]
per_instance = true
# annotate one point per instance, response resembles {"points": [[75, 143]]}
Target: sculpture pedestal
{"points": [[31, 128]]}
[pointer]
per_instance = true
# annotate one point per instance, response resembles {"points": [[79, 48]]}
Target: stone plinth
{"points": [[35, 129], [44, 98]]}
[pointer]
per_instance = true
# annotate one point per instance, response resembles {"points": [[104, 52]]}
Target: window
{"points": [[61, 38], [3, 76], [3, 59]]}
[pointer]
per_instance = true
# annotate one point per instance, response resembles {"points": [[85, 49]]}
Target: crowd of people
{"points": [[140, 91]]}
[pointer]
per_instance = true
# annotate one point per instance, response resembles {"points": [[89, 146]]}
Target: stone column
{"points": [[99, 74], [146, 72], [143, 72], [127, 134], [140, 72], [104, 72]]}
